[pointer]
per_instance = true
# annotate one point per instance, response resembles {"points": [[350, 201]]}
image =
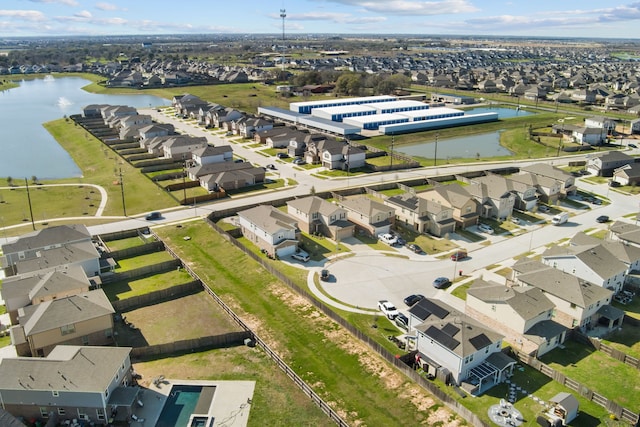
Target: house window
{"points": [[85, 340], [82, 415], [68, 329], [100, 413], [106, 393], [44, 413], [573, 305], [55, 393], [493, 307], [62, 411]]}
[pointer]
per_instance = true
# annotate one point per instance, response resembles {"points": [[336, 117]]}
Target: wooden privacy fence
{"points": [[611, 406], [368, 341], [213, 341]]}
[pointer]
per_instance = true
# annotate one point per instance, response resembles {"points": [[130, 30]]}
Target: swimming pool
{"points": [[180, 404]]}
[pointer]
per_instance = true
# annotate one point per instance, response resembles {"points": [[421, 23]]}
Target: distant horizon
{"points": [[446, 18], [291, 37]]}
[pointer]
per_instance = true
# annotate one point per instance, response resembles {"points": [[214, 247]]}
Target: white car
{"points": [[485, 228], [388, 309], [301, 256], [388, 238]]}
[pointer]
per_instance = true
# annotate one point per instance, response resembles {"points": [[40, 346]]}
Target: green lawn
{"points": [[99, 166], [131, 242], [599, 372], [142, 260], [321, 352], [130, 288], [626, 340]]}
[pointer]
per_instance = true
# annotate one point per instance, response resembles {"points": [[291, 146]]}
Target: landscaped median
{"points": [[358, 384]]}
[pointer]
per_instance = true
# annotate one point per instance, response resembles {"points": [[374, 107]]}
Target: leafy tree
{"points": [[34, 179], [349, 84], [10, 181]]}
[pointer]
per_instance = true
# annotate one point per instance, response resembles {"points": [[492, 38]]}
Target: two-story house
{"points": [[317, 216], [40, 286], [273, 231], [181, 147], [89, 384], [211, 154], [453, 343], [495, 195], [28, 245], [522, 314], [625, 232], [593, 263], [605, 164], [579, 304], [422, 215], [546, 188], [466, 209], [83, 254], [82, 319], [627, 174], [372, 217]]}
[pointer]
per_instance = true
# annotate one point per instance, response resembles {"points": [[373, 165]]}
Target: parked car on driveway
{"points": [[388, 238], [298, 161], [543, 208], [485, 228], [402, 321], [412, 299], [415, 248], [301, 256], [388, 309], [458, 255], [282, 155], [441, 282], [271, 166]]}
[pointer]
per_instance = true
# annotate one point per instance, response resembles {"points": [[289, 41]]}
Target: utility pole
{"points": [[184, 172], [393, 140], [435, 153], [124, 208], [26, 183], [283, 14]]}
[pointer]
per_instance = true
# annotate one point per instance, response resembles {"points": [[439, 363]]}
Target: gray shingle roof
{"points": [[66, 368], [565, 286], [56, 235], [56, 313], [270, 219]]}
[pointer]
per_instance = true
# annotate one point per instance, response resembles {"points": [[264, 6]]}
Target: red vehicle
{"points": [[458, 255]]}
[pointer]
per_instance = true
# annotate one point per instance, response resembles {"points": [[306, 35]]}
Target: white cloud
{"points": [[106, 6], [65, 2], [411, 7], [85, 14], [26, 15]]}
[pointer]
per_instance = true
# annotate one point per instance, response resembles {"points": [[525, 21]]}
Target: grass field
{"points": [[130, 288], [142, 260], [99, 166], [615, 380], [320, 351]]}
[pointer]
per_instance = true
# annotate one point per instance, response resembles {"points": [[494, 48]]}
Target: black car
{"points": [[402, 321], [325, 275], [412, 299], [415, 248], [282, 155], [602, 219], [153, 216], [632, 145], [614, 184]]}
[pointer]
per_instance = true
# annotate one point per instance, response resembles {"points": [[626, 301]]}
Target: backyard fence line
{"points": [[160, 267], [612, 352], [450, 402], [131, 303], [146, 248], [213, 341], [620, 412]]}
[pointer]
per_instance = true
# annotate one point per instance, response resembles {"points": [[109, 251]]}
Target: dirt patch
{"points": [[191, 316]]}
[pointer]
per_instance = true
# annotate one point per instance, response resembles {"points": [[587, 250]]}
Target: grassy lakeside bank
{"points": [[363, 388], [100, 166]]}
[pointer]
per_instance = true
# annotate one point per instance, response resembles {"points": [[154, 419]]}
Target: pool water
{"points": [[180, 404]]}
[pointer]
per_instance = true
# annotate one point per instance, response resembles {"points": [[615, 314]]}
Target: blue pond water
{"points": [[179, 406]]}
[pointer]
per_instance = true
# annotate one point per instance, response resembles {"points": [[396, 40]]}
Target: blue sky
{"points": [[558, 18]]}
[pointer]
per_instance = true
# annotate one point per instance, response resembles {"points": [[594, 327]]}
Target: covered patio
{"points": [[495, 369]]}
